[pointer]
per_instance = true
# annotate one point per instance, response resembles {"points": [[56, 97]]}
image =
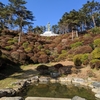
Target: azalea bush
{"points": [[95, 30], [97, 42], [77, 60], [95, 53], [77, 44]]}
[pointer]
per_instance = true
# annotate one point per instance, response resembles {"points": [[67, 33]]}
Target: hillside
{"points": [[82, 53], [36, 49]]}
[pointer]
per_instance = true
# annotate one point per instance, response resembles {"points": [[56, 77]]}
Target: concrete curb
{"points": [[45, 98]]}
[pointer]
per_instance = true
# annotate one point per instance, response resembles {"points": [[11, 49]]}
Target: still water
{"points": [[57, 90]]}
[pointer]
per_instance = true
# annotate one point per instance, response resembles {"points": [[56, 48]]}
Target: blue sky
{"points": [[51, 10]]}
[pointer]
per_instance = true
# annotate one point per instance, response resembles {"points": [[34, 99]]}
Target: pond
{"points": [[57, 90]]}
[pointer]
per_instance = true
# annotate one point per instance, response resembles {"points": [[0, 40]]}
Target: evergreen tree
{"points": [[92, 11], [23, 17]]}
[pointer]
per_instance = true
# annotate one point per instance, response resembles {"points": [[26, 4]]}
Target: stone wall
{"points": [[18, 86]]}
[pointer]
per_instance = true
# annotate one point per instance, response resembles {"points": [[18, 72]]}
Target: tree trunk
{"points": [[76, 33], [93, 21], [19, 39], [81, 28], [20, 30], [72, 35], [85, 24]]}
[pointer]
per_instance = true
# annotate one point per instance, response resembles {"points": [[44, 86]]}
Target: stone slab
{"points": [[44, 98]]}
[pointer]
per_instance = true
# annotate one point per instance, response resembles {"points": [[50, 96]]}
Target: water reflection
{"points": [[57, 90]]}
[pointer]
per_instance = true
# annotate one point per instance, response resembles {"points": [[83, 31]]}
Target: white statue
{"points": [[48, 27]]}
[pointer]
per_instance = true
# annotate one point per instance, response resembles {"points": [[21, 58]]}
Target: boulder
{"points": [[7, 92], [43, 69], [96, 84], [78, 98], [44, 79], [57, 66], [11, 98], [54, 74], [78, 80], [97, 95]]}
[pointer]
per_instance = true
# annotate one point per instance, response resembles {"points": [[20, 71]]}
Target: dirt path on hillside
{"points": [[65, 62]]}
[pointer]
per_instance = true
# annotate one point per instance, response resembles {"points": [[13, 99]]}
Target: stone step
{"points": [[45, 98]]}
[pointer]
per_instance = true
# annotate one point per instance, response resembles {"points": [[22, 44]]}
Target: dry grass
{"points": [[26, 72], [30, 70]]}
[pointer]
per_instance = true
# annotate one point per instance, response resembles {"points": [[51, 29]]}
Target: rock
{"points": [[7, 92], [97, 95], [91, 86], [23, 83], [53, 80], [78, 80], [35, 79], [44, 79], [45, 98], [11, 98], [96, 90], [2, 93], [19, 85], [62, 79], [43, 69], [96, 84], [54, 74], [65, 70], [78, 98], [69, 79], [57, 66]]}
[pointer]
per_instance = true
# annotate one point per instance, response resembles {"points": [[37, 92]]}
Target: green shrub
{"points": [[95, 30], [84, 59], [39, 47], [29, 49], [77, 60], [81, 59], [95, 63], [25, 44], [94, 60], [91, 45], [77, 44], [61, 56], [8, 47], [47, 52], [64, 51], [3, 56], [96, 43], [96, 53], [15, 40], [11, 41], [87, 35], [70, 57]]}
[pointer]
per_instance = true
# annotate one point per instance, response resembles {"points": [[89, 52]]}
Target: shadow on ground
{"points": [[8, 69], [24, 74]]}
